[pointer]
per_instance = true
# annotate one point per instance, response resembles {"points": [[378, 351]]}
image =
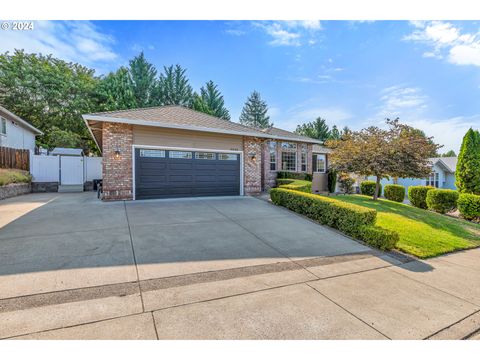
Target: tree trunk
{"points": [[377, 187]]}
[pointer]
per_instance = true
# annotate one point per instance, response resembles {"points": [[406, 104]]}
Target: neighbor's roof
{"points": [[449, 163], [179, 117], [25, 123]]}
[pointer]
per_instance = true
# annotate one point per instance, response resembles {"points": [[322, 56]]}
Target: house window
{"points": [[272, 148], [180, 155], [432, 180], [319, 163], [289, 161], [204, 156], [289, 146], [227, 157], [3, 126], [304, 157]]}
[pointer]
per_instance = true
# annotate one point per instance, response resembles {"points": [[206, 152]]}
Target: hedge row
{"points": [[394, 192], [418, 195], [469, 206], [294, 175], [299, 185], [354, 220], [442, 200], [368, 188]]}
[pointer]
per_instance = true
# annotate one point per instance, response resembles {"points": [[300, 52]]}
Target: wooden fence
{"points": [[14, 158]]}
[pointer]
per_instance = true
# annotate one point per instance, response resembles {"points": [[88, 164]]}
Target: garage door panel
{"points": [[170, 177]]}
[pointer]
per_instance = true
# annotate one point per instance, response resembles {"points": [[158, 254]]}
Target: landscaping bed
{"points": [[14, 182]]}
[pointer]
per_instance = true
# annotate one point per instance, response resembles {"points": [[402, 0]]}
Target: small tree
{"points": [[467, 174], [254, 112], [399, 151], [317, 129]]}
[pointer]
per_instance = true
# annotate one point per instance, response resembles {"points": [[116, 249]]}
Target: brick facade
{"points": [[117, 172], [252, 168]]}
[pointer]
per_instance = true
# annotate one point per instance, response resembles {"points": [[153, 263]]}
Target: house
{"points": [[442, 175], [172, 151], [15, 132]]}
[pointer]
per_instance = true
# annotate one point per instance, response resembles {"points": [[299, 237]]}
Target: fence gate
{"points": [[71, 170]]}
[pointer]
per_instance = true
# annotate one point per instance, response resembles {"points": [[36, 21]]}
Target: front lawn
{"points": [[10, 176], [422, 233]]}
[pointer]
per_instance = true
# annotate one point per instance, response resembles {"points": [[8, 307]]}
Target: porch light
{"points": [[252, 155], [117, 154]]}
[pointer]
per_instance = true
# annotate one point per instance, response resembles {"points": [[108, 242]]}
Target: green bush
{"points": [[345, 183], [394, 192], [469, 206], [417, 195], [442, 200], [294, 175], [367, 187], [379, 237], [340, 215], [331, 180], [11, 176], [299, 185]]}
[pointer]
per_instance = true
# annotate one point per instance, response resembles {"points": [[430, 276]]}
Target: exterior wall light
{"points": [[117, 154], [252, 156]]}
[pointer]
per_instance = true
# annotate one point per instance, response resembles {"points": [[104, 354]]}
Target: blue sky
{"points": [[349, 72]]}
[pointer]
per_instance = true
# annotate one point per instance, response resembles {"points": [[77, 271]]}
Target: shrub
{"points": [[299, 185], [442, 200], [346, 183], [294, 175], [469, 206], [367, 187], [394, 192], [332, 180], [343, 216], [417, 195], [10, 176], [379, 237]]}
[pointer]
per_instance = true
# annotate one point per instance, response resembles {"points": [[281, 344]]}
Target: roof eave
{"points": [[189, 127], [23, 122]]}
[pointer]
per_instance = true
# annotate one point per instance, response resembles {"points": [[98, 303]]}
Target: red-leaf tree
{"points": [[398, 151]]}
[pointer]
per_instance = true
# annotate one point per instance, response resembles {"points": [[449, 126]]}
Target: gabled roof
{"points": [[179, 117], [22, 122], [448, 163]]}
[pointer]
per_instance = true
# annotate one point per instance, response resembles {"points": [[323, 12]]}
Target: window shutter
{"points": [[314, 163]]}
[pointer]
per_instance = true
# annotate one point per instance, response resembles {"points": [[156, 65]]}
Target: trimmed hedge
{"points": [[368, 188], [442, 200], [469, 206], [299, 185], [394, 192], [338, 214], [354, 220], [294, 175], [379, 237], [417, 195]]}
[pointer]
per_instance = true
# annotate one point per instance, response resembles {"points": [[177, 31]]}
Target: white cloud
{"points": [[398, 100], [236, 32], [77, 41], [448, 41], [291, 33]]}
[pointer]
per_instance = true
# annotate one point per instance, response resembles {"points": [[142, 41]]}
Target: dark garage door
{"points": [[171, 173]]}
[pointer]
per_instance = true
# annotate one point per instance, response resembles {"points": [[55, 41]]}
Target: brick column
{"points": [[309, 159], [252, 168], [117, 169]]}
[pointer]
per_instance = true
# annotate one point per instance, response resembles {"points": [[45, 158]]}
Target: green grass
{"points": [[9, 176], [422, 233]]}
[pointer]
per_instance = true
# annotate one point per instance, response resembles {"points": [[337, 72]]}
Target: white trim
{"points": [[21, 121], [325, 161], [134, 146], [194, 128]]}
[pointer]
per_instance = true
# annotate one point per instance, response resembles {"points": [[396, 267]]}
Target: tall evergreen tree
{"points": [[317, 129], [174, 87], [467, 174], [211, 101], [254, 112], [335, 133], [449, 153], [144, 83], [115, 91]]}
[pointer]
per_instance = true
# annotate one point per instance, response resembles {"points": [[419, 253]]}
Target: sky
{"points": [[351, 73]]}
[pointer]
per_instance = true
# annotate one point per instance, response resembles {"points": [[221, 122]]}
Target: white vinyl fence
{"points": [[47, 168]]}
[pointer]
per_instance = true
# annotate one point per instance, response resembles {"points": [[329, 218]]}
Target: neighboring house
{"points": [[172, 151], [15, 132], [442, 175]]}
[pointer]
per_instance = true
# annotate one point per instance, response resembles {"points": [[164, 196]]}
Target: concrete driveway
{"points": [[72, 267]]}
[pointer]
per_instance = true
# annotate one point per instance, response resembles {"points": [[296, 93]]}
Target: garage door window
{"points": [[152, 153], [180, 155], [227, 157], [205, 156]]}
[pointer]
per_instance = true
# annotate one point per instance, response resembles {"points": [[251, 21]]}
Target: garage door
{"points": [[173, 173]]}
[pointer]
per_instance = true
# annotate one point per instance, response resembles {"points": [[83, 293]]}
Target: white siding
{"points": [[17, 137]]}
